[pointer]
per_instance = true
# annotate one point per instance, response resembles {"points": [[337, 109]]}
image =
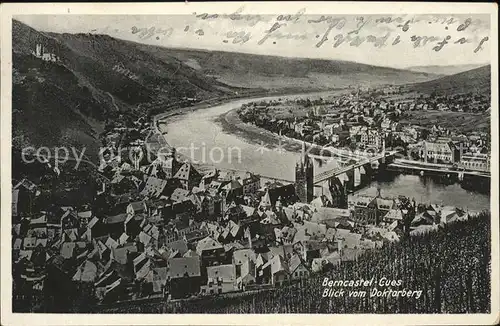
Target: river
{"points": [[200, 135]]}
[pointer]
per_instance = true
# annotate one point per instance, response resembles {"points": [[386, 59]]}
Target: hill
{"points": [[445, 70], [271, 72], [86, 79], [476, 80], [66, 86]]}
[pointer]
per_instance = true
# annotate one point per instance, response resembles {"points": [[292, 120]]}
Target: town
{"points": [[369, 120], [156, 227]]}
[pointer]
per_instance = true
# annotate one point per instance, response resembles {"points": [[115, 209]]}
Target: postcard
{"points": [[245, 163]]}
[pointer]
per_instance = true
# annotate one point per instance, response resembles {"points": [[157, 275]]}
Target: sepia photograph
{"points": [[236, 158]]}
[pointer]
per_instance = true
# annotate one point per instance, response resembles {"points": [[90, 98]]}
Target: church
{"points": [[304, 177]]}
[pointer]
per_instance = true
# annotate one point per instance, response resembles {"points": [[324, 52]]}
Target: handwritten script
{"points": [[433, 32]]}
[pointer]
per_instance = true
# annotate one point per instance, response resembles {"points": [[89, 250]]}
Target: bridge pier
{"points": [[355, 176]]}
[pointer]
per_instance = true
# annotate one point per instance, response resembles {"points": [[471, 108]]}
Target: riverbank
{"points": [[164, 117], [232, 123]]}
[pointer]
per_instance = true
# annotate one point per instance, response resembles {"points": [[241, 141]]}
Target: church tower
{"points": [[304, 177]]}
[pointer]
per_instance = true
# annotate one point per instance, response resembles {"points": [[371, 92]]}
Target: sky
{"points": [[384, 40]]}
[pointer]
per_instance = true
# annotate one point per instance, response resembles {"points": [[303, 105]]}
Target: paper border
{"points": [[9, 10]]}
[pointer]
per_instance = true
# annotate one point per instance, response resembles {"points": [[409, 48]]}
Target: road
{"points": [[435, 167]]}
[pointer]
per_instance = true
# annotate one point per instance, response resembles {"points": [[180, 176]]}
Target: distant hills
{"points": [[476, 80], [445, 70], [273, 72], [94, 77]]}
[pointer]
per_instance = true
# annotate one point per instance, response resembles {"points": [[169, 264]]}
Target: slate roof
{"points": [[385, 204], [362, 201], [120, 254], [179, 195], [242, 255], [86, 272], [207, 244], [17, 244], [116, 219], [190, 253], [137, 206], [179, 245], [278, 264], [327, 213], [153, 187], [294, 263], [394, 214], [178, 267], [67, 249], [227, 273]]}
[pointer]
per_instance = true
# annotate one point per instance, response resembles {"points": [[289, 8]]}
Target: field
{"points": [[462, 122]]}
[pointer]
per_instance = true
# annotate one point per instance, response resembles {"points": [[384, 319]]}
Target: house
{"points": [[158, 208], [365, 211], [309, 231], [318, 264], [325, 214], [145, 239], [278, 270], [67, 249], [393, 215], [184, 275], [86, 272], [159, 279], [133, 224], [424, 218], [440, 152], [220, 279], [121, 253], [136, 208], [247, 274], [308, 249], [23, 196], [251, 183], [116, 224], [111, 243], [108, 286], [391, 236], [383, 206], [69, 219], [153, 187], [348, 240], [29, 243], [188, 176], [285, 235], [210, 251], [179, 195], [285, 193], [207, 204], [84, 217], [242, 255], [297, 268], [96, 228], [168, 163], [235, 212], [208, 177], [476, 161], [179, 246]]}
